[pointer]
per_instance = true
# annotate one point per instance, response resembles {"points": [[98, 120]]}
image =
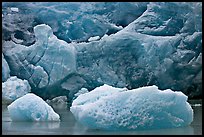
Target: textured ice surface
{"points": [[44, 63], [14, 88], [31, 108], [5, 69], [148, 107], [151, 43], [135, 59], [71, 21]]}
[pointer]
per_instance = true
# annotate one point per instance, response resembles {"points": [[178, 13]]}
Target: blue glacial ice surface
{"points": [[13, 89], [5, 70], [71, 21], [60, 48], [43, 64], [111, 108], [31, 108]]}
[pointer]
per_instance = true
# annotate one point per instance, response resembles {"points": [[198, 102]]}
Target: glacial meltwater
{"points": [[69, 126]]}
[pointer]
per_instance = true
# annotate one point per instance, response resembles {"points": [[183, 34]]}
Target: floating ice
{"points": [[148, 107], [31, 108], [14, 88]]}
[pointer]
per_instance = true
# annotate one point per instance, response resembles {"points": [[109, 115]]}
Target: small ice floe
{"points": [[31, 107]]}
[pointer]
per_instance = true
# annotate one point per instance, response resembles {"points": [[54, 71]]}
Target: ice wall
{"points": [[5, 69], [159, 44], [44, 64]]}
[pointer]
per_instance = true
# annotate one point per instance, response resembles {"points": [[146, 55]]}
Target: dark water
{"points": [[69, 126]]}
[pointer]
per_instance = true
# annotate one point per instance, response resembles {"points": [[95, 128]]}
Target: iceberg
{"points": [[14, 88], [110, 108], [30, 107]]}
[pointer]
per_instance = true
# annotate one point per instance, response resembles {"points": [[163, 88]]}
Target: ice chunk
{"points": [[5, 69], [14, 9], [94, 38], [196, 105], [31, 108], [59, 102], [116, 27], [148, 107], [14, 88]]}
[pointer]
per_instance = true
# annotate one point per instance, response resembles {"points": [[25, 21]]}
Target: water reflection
{"points": [[68, 125], [34, 125], [175, 131]]}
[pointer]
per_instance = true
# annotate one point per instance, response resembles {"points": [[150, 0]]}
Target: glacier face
{"points": [[148, 60], [31, 108], [43, 64], [71, 21], [160, 44], [5, 69], [111, 108], [169, 19]]}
